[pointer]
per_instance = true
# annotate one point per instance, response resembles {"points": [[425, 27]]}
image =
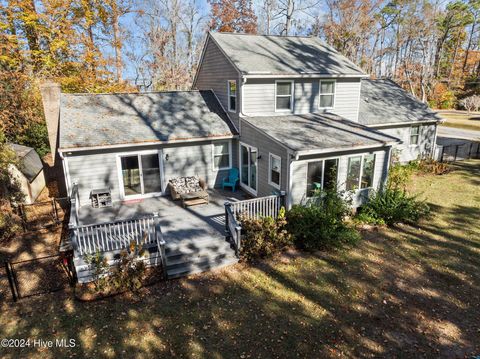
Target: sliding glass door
{"points": [[140, 174], [248, 168]]}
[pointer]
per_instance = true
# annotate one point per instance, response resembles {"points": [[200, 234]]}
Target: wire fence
{"points": [[43, 214], [38, 276], [457, 152]]}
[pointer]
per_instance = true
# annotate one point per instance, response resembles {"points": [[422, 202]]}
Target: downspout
{"points": [[67, 182], [243, 81], [289, 200], [388, 166], [434, 145]]}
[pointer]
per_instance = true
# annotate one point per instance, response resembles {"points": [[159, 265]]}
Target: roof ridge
{"points": [[264, 35], [129, 93]]}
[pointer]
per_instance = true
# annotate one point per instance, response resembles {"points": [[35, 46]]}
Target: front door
{"points": [[248, 168], [140, 175]]}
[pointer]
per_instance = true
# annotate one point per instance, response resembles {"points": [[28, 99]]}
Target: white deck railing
{"points": [[111, 236], [258, 207]]}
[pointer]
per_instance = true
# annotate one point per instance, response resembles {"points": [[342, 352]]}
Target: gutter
{"points": [[340, 149], [151, 143], [405, 123], [260, 75]]}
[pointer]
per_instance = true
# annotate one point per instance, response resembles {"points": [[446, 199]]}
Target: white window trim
{"points": [[242, 185], [229, 95], [229, 156], [292, 104], [320, 93], [270, 182], [323, 168], [121, 188], [418, 136], [361, 171]]}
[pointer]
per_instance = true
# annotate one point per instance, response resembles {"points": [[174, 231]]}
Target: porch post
{"points": [[283, 196], [227, 205]]}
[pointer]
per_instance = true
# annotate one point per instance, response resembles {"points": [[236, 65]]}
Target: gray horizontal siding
{"points": [[98, 169], [214, 72], [404, 151], [259, 97], [265, 145], [299, 174]]}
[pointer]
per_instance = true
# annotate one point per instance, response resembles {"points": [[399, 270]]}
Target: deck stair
{"points": [[195, 256]]}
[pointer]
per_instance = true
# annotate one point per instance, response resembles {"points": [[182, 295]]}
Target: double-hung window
{"points": [[275, 170], [414, 135], [284, 96], [327, 94], [232, 95], [360, 172], [222, 155]]}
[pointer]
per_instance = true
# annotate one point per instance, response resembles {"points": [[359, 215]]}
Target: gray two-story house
{"points": [[290, 113], [307, 117]]}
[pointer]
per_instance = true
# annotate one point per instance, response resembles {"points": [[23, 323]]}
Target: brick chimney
{"points": [[51, 108], [51, 92]]}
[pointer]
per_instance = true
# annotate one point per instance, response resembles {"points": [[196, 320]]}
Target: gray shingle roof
{"points": [[384, 102], [259, 54], [29, 162], [319, 132], [88, 120]]}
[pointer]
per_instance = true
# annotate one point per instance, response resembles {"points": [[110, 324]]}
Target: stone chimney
{"points": [[51, 108]]}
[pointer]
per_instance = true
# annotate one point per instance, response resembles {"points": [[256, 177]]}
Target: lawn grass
{"points": [[461, 120], [403, 292]]}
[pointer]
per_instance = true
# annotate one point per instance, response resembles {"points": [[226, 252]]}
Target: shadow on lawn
{"points": [[405, 292]]}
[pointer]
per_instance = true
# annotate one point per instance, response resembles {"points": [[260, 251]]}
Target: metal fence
{"points": [[43, 214], [457, 152], [41, 275]]}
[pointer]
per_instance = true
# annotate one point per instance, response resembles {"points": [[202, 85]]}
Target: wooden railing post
{"points": [[227, 205], [161, 245]]}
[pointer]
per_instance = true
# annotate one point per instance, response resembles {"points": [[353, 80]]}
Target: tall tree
{"points": [[233, 16]]}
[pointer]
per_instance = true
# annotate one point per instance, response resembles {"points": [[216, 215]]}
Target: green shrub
{"points": [[265, 236], [100, 271], [127, 274], [399, 175], [130, 270], [321, 222], [392, 205]]}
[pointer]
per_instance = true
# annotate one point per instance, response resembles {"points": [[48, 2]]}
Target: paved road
{"points": [[450, 135]]}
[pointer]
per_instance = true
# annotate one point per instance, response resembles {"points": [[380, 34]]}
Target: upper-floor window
{"points": [[414, 135], [327, 94], [360, 172], [284, 96], [232, 95]]}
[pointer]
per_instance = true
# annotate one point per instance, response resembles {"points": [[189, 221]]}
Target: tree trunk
{"points": [[117, 42], [469, 45]]}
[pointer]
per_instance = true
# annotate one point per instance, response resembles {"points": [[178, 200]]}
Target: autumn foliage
{"points": [[233, 16]]}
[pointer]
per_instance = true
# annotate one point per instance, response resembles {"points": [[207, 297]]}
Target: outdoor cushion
{"points": [[193, 184], [179, 185]]}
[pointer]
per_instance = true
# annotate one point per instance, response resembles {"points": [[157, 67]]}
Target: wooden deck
{"points": [[194, 236], [178, 224]]}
